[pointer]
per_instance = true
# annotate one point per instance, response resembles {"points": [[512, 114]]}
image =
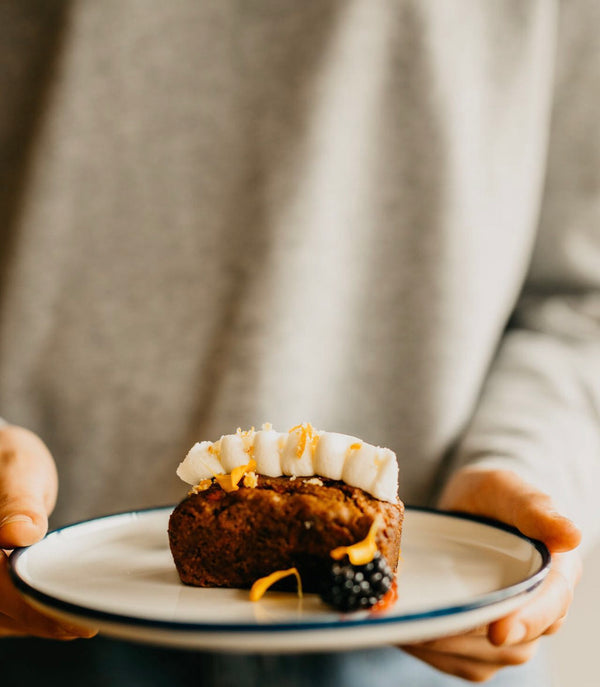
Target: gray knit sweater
{"points": [[381, 217]]}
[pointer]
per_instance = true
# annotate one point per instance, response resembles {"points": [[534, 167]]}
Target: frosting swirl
{"points": [[301, 452]]}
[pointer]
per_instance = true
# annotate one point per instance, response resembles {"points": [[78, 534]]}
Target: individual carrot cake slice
{"points": [[264, 501]]}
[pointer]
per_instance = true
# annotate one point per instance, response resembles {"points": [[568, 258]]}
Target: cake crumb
{"points": [[202, 485], [314, 480], [250, 480]]}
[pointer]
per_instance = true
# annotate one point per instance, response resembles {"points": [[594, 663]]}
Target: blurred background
{"points": [[573, 649]]}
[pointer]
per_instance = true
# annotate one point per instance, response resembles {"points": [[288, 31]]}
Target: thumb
{"points": [[504, 496], [28, 487]]}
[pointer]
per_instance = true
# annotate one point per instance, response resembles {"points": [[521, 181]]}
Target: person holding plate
{"points": [[379, 216]]}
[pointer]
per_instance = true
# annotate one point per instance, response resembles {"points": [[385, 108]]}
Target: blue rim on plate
{"points": [[346, 621]]}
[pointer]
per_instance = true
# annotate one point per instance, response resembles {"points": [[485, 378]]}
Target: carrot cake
{"points": [[264, 501]]}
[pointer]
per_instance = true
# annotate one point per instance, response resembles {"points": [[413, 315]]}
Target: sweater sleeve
{"points": [[539, 409]]}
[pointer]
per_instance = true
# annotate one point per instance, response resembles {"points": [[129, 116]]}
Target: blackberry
{"points": [[350, 587]]}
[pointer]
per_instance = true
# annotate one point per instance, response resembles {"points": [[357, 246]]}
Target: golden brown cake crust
{"points": [[230, 539]]}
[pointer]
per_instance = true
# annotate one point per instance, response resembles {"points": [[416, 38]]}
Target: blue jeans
{"points": [[105, 663]]}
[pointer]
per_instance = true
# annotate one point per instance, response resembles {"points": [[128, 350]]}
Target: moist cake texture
{"points": [[230, 539]]}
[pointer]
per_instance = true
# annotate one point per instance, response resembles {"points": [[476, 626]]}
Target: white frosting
{"points": [[301, 452], [232, 452], [292, 463], [331, 453], [267, 453], [199, 464]]}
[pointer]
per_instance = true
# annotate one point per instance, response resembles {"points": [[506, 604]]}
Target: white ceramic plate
{"points": [[116, 573]]}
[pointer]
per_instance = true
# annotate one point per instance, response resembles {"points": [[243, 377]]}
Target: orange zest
{"points": [[307, 433], [215, 449], [202, 485], [261, 585], [247, 438], [363, 551], [226, 483], [230, 482], [353, 447]]}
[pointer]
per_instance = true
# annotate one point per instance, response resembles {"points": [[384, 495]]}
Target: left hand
{"points": [[511, 640]]}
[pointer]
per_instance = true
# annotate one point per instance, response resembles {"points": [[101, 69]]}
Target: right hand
{"points": [[28, 490]]}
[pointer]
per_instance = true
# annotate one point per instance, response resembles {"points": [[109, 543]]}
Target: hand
{"points": [[511, 640], [28, 489]]}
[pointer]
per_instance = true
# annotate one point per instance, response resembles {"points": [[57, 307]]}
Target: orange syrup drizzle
{"points": [[363, 551], [261, 585]]}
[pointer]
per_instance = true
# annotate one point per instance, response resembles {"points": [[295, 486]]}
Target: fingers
{"points": [[12, 628], [478, 648], [28, 487], [511, 640], [19, 618], [471, 656], [504, 496], [460, 666], [466, 669], [546, 611], [9, 628]]}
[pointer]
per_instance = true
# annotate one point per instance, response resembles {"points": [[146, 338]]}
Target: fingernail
{"points": [[516, 634], [18, 517]]}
